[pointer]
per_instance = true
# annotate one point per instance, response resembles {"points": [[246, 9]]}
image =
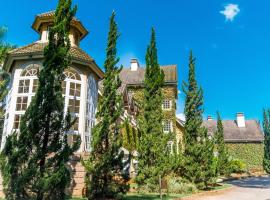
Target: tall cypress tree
{"points": [[198, 148], [105, 176], [222, 152], [266, 129], [153, 142], [34, 160]]}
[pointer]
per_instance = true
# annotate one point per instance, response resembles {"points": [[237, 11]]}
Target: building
{"points": [[243, 138], [132, 78], [80, 87]]}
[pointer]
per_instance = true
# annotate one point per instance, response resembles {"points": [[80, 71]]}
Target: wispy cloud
{"points": [[230, 11]]}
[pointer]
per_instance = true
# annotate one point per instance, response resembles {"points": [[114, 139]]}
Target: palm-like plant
{"points": [[4, 77], [4, 47]]}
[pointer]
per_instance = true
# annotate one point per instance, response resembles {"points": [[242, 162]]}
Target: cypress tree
{"points": [[266, 129], [153, 142], [222, 152], [198, 148], [105, 175], [34, 160]]}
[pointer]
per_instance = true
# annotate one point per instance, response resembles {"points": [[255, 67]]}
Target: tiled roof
{"points": [[51, 14], [38, 48], [232, 133], [129, 77]]}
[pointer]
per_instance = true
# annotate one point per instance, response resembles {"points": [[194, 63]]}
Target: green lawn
{"points": [[133, 196]]}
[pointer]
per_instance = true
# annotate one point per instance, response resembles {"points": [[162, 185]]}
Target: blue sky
{"points": [[231, 40]]}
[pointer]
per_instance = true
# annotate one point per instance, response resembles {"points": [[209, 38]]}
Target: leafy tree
{"points": [[34, 160], [198, 147], [4, 82], [130, 136], [4, 77], [153, 142], [105, 176], [4, 47], [266, 129], [222, 152]]}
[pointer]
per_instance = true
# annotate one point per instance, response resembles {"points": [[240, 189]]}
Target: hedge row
{"points": [[250, 153]]}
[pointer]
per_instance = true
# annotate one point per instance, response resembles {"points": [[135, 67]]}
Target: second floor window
{"points": [[167, 126], [167, 104]]}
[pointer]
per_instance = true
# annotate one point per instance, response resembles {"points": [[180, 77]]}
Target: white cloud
{"points": [[230, 11]]}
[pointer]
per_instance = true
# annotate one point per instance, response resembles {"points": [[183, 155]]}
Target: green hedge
{"points": [[250, 153]]}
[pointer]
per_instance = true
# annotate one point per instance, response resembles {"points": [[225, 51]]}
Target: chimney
{"points": [[240, 119], [134, 64], [209, 118]]}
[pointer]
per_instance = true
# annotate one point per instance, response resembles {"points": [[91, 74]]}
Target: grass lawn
{"points": [[134, 196]]}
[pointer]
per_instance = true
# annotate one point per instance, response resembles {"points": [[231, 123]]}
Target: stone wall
{"points": [[250, 153], [169, 92]]}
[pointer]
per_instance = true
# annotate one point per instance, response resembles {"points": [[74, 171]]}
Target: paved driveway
{"points": [[246, 189]]}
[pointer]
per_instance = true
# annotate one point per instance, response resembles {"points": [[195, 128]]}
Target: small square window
{"points": [[166, 104], [24, 86], [21, 104], [167, 126]]}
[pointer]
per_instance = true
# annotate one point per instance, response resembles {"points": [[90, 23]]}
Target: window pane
{"points": [[78, 90], [17, 120], [21, 103], [35, 85], [71, 105], [167, 126], [64, 83], [24, 86], [166, 104]]}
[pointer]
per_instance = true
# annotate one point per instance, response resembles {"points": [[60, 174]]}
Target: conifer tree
{"points": [[105, 176], [153, 142], [266, 129], [34, 160], [198, 148], [222, 152]]}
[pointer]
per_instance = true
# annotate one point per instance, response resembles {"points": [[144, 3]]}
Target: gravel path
{"points": [[246, 189]]}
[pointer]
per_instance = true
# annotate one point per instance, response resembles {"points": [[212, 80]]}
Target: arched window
{"points": [[27, 86], [72, 92]]}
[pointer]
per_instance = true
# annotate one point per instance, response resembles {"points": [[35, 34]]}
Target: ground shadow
{"points": [[254, 182]]}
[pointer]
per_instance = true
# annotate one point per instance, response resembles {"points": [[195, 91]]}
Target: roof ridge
{"points": [[22, 47]]}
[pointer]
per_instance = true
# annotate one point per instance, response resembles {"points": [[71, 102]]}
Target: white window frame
{"points": [[164, 126], [68, 97], [165, 103], [30, 94]]}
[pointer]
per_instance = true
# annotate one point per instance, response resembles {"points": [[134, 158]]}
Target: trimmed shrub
{"points": [[237, 166], [177, 185]]}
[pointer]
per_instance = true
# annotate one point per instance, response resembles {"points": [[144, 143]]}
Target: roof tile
{"points": [[232, 133], [38, 48]]}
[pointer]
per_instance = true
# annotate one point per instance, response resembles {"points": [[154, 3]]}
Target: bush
{"points": [[237, 166], [177, 185]]}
